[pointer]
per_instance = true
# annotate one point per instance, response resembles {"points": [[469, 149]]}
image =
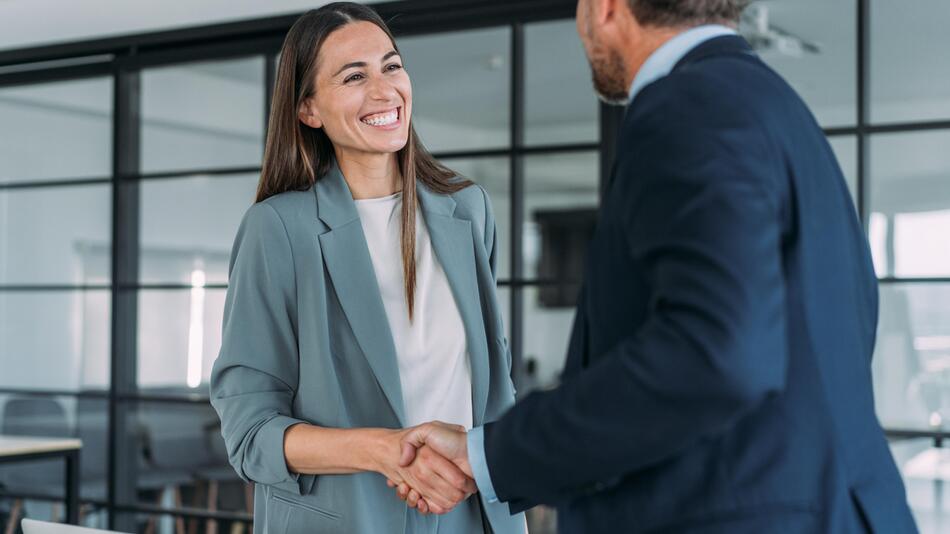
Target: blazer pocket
{"points": [[286, 507]]}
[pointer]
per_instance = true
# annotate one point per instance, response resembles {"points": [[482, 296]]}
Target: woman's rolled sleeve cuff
{"points": [[270, 441]]}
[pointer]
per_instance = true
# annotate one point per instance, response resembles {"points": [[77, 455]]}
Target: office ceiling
{"points": [[39, 22]]}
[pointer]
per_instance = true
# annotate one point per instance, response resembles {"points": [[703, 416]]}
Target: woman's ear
{"points": [[308, 114]]}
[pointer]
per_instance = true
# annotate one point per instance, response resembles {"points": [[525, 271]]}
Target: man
{"points": [[719, 373]]}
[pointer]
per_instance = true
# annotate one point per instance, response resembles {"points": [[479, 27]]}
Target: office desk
{"points": [[23, 449]]}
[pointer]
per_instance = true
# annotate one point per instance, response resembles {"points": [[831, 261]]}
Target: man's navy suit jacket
{"points": [[718, 378]]}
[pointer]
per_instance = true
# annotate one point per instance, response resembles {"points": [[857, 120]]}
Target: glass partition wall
{"points": [[123, 177]]}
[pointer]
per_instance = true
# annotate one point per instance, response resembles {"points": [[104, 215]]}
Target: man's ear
{"points": [[605, 10], [308, 114]]}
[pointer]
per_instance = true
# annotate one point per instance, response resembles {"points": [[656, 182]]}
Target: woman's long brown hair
{"points": [[296, 155]]}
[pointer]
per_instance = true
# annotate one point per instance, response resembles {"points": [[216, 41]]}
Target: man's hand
{"points": [[450, 441], [437, 482], [446, 441]]}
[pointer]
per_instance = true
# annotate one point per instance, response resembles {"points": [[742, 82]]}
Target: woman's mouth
{"points": [[385, 120]]}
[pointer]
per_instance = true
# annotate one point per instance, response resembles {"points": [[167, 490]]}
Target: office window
{"points": [[56, 235], [547, 333], [846, 150], [56, 131], [203, 114], [909, 80], [912, 383], [561, 198], [813, 45], [560, 105], [54, 339], [921, 464], [179, 337], [188, 226], [910, 199], [461, 86]]}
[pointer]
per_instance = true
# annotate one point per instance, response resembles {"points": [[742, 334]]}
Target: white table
{"points": [[23, 449]]}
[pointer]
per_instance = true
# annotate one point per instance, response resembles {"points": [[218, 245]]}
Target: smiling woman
{"points": [[341, 78], [345, 320]]}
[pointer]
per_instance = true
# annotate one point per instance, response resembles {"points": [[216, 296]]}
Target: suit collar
{"points": [[434, 203], [664, 58], [718, 46], [335, 205]]}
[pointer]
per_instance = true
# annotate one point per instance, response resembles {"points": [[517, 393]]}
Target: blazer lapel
{"points": [[453, 243], [347, 258]]}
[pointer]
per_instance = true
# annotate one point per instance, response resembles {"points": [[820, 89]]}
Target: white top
{"points": [[19, 445], [434, 368]]}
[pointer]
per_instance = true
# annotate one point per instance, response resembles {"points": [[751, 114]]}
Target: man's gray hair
{"points": [[680, 13]]}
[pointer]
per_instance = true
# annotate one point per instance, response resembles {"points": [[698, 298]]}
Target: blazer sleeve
{"points": [[696, 204], [255, 377]]}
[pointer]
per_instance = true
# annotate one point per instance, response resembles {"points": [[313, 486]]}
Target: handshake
{"points": [[432, 473]]}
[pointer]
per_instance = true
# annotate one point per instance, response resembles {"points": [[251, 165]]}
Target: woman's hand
{"points": [[430, 483]]}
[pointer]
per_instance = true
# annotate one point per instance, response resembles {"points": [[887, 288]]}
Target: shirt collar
{"points": [[664, 58]]}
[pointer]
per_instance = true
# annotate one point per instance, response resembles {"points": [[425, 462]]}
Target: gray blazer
{"points": [[306, 339]]}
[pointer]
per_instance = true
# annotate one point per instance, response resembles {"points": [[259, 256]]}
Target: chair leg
{"points": [[249, 497], [152, 522], [211, 526], [14, 516], [179, 521], [200, 488]]}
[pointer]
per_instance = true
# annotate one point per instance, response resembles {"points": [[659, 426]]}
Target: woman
{"points": [[361, 301]]}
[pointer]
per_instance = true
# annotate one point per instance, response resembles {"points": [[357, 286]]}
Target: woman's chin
{"points": [[388, 146]]}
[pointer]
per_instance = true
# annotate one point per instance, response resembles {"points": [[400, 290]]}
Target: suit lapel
{"points": [[454, 245], [347, 259]]}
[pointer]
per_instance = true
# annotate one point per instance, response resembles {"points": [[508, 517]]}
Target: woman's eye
{"points": [[353, 77]]}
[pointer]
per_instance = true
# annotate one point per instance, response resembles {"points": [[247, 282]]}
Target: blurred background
{"points": [[131, 137]]}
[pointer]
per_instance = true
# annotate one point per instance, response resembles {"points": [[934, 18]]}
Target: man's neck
{"points": [[650, 40]]}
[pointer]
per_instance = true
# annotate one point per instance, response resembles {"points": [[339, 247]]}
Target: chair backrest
{"points": [[34, 416]]}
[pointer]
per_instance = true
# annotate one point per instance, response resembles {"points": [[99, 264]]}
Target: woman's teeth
{"points": [[382, 119]]}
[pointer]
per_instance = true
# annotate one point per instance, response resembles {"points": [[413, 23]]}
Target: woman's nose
{"points": [[381, 89]]}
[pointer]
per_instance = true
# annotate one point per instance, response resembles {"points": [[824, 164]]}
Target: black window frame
{"points": [[123, 58]]}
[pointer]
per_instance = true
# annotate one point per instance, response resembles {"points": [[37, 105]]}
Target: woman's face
{"points": [[363, 97]]}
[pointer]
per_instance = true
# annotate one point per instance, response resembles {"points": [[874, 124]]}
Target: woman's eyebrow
{"points": [[361, 64]]}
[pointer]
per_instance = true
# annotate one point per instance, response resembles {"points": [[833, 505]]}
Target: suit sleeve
{"points": [[254, 379], [695, 207]]}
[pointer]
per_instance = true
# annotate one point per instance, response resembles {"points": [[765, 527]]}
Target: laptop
{"points": [[32, 526]]}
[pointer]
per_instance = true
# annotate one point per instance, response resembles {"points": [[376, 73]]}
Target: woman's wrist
{"points": [[310, 449], [381, 448]]}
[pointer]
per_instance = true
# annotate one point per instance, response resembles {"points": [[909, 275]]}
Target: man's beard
{"points": [[607, 73]]}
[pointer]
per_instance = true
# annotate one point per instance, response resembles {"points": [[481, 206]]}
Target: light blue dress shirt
{"points": [[658, 65]]}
